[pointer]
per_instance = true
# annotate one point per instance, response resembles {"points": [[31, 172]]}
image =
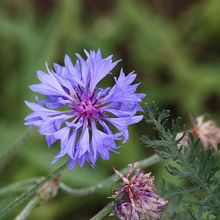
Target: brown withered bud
{"points": [[49, 190]]}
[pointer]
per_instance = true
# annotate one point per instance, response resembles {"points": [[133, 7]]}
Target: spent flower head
{"points": [[138, 198], [81, 115], [206, 131]]}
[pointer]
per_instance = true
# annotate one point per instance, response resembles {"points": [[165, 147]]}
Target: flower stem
{"points": [[91, 189], [18, 185], [27, 209], [105, 211], [24, 196]]}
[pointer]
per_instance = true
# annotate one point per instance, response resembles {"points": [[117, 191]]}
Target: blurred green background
{"points": [[173, 45]]}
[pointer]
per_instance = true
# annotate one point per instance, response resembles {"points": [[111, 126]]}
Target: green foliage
{"points": [[198, 165]]}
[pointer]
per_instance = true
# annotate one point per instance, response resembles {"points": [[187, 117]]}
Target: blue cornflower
{"points": [[85, 114]]}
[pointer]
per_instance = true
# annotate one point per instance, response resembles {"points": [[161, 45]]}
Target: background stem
{"points": [[23, 197], [91, 189], [19, 185], [27, 209]]}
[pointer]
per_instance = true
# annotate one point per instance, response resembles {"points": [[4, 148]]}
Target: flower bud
{"points": [[49, 190]]}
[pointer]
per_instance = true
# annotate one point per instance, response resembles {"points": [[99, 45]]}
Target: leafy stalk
{"points": [[199, 165], [169, 139]]}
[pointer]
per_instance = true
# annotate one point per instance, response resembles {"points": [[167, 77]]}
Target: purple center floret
{"points": [[87, 107]]}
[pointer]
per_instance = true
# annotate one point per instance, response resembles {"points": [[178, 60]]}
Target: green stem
{"points": [[24, 196], [105, 211], [18, 185], [91, 189], [27, 209]]}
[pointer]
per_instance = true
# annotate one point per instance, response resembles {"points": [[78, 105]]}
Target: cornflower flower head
{"points": [[138, 198], [81, 115]]}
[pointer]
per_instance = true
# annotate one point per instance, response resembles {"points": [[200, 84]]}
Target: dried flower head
{"points": [[85, 114], [138, 197], [208, 132]]}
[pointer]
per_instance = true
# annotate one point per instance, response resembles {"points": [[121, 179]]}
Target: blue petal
{"points": [[63, 135], [84, 70], [72, 163], [83, 143], [102, 143], [122, 113], [71, 145], [50, 140], [38, 108], [99, 67], [122, 123], [50, 85], [123, 91], [51, 126]]}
